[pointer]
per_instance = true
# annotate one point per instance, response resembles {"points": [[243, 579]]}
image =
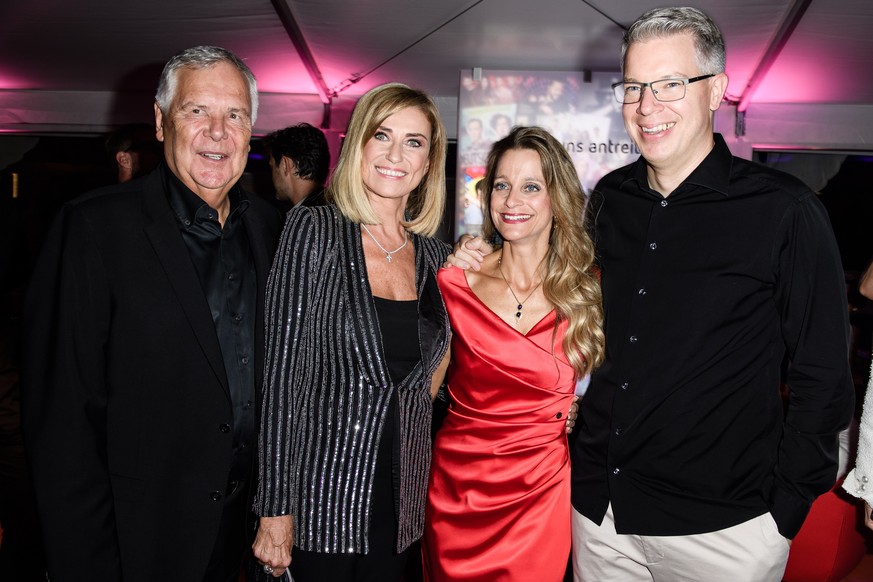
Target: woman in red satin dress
{"points": [[525, 327]]}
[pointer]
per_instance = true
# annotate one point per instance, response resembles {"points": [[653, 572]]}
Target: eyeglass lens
{"points": [[665, 90]]}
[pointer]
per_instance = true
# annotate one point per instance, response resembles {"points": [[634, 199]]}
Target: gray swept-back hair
{"points": [[202, 57], [662, 22]]}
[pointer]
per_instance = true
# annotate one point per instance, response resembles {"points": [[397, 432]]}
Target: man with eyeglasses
{"points": [[713, 269]]}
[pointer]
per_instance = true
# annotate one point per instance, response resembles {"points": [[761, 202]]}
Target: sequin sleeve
{"points": [[289, 289]]}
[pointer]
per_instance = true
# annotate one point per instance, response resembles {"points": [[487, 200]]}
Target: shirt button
{"points": [[624, 385], [663, 203], [641, 292], [633, 339], [618, 431], [224, 427], [237, 317], [231, 277], [653, 246], [616, 471], [558, 415], [215, 496], [245, 360]]}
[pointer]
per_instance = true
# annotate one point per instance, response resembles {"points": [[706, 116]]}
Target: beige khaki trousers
{"points": [[753, 551]]}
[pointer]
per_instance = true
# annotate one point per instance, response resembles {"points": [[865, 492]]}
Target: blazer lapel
{"points": [[262, 241], [431, 313], [360, 297], [163, 234]]}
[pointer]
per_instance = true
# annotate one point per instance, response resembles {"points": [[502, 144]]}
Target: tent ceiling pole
{"points": [[780, 39], [283, 11]]}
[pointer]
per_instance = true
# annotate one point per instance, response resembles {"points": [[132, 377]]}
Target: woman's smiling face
{"points": [[396, 158], [521, 207]]}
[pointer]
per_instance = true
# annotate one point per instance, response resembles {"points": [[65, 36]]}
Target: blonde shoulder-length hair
{"points": [[424, 209], [569, 282]]}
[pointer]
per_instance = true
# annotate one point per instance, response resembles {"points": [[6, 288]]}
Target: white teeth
{"points": [[213, 156], [657, 128], [391, 173], [518, 217]]}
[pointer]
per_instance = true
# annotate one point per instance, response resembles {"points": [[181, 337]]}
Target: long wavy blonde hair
{"points": [[568, 281]]}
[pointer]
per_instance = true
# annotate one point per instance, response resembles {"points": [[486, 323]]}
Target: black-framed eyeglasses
{"points": [[665, 90]]}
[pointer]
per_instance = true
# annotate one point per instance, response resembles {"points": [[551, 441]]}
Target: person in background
{"points": [[358, 339], [713, 270], [525, 327], [143, 347], [134, 150], [300, 161]]}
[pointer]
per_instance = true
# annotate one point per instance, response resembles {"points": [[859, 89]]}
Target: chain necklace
{"points": [[514, 296], [386, 251]]}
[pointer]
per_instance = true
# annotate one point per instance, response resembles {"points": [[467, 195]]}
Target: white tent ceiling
{"points": [[86, 65]]}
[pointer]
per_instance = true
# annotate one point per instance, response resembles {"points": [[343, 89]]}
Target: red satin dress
{"points": [[499, 496]]}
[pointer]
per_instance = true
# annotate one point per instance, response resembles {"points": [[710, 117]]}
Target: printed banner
{"points": [[582, 114]]}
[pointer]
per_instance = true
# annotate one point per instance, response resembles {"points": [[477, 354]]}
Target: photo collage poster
{"points": [[581, 113]]}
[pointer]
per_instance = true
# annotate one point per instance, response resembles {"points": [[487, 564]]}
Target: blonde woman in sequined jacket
{"points": [[357, 334]]}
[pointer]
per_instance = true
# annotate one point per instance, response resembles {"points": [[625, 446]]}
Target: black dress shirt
{"points": [[705, 291], [224, 264]]}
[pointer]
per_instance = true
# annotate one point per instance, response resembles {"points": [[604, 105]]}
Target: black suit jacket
{"points": [[125, 399]]}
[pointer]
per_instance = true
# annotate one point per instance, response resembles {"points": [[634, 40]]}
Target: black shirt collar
{"points": [[189, 207], [713, 173]]}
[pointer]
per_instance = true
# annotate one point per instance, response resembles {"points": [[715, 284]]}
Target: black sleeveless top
{"points": [[398, 322]]}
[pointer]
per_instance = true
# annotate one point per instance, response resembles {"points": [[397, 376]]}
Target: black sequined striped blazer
{"points": [[327, 386]]}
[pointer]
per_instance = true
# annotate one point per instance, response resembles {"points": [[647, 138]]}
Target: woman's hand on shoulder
{"points": [[468, 253]]}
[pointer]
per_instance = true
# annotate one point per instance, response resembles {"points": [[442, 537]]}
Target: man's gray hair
{"points": [[664, 22], [202, 57]]}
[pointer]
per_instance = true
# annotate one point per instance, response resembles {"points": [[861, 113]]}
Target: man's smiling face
{"points": [[207, 128]]}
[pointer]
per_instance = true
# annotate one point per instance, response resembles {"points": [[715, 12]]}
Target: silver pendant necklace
{"points": [[520, 304], [386, 251]]}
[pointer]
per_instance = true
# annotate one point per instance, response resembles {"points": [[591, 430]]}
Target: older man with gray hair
{"points": [[144, 344]]}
